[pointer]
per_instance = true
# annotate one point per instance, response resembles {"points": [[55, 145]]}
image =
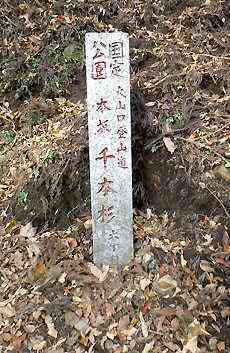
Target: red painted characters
{"points": [[104, 156], [99, 65]]}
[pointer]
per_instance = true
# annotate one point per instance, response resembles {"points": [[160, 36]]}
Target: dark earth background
{"points": [[177, 288]]}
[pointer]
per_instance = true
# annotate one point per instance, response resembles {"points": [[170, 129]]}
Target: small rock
{"points": [[82, 326], [152, 265]]}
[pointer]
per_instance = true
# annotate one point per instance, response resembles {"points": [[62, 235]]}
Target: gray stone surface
{"points": [[108, 99]]}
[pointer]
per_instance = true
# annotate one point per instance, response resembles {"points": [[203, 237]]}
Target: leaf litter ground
{"points": [[174, 296]]}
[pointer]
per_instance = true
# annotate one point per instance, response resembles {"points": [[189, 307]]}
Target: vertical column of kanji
{"points": [[119, 56], [107, 69]]}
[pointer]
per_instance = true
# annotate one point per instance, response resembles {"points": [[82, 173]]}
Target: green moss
{"points": [[8, 135], [34, 118]]}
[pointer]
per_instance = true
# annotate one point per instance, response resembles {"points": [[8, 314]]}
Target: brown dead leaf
{"points": [[123, 322], [38, 343], [109, 310], [28, 231], [159, 323], [88, 224], [144, 327], [205, 266], [144, 283], [172, 346], [50, 325], [221, 347], [222, 261], [7, 310], [195, 329], [39, 270], [17, 342], [166, 285], [191, 346], [101, 275], [194, 135], [225, 312], [148, 347], [84, 340], [226, 242]]}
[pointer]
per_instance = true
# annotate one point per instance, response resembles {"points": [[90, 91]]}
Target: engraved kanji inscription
{"points": [[104, 156], [121, 148], [103, 126], [105, 214], [121, 91], [108, 101], [103, 105], [122, 162], [105, 186], [99, 70], [116, 50], [122, 132]]}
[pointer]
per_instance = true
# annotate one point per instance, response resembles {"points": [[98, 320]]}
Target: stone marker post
{"points": [[108, 99]]}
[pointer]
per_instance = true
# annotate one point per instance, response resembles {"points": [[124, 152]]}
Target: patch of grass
{"points": [[60, 68], [48, 72], [176, 120], [8, 136], [22, 197], [34, 118], [179, 85], [50, 156]]}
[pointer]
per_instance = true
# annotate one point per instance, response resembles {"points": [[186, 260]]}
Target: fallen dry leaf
{"points": [[109, 310], [39, 270], [195, 329], [144, 283], [101, 275], [191, 346], [123, 322], [205, 266], [169, 144], [38, 343], [148, 347], [50, 325], [7, 310], [144, 327], [28, 231], [226, 242], [166, 285]]}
